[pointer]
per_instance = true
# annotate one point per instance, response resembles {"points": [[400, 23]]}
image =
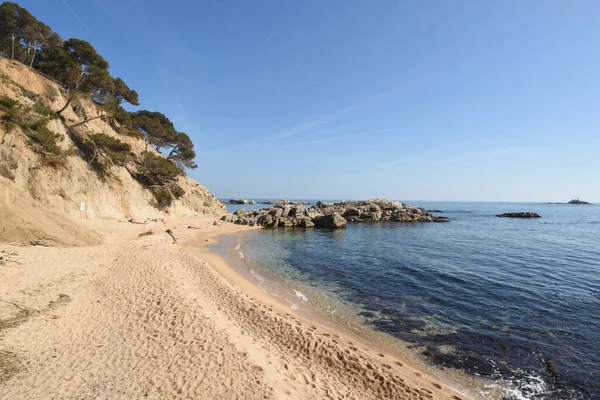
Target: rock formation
{"points": [[287, 202], [520, 215], [241, 201], [331, 215], [577, 201], [72, 189]]}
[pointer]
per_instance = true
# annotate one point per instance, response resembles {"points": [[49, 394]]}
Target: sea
{"points": [[515, 301]]}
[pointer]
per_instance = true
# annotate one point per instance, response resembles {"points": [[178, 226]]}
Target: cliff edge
{"points": [[63, 182]]}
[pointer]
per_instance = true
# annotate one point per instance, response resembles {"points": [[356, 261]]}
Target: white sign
{"points": [[82, 207]]}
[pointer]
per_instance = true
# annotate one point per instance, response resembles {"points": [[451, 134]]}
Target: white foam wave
{"points": [[261, 288], [239, 251], [301, 296], [257, 276], [293, 306], [527, 389]]}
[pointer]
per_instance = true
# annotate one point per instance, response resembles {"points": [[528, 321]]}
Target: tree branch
{"points": [[88, 120]]}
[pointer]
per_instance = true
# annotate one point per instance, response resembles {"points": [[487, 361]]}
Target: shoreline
{"points": [[140, 317], [355, 330]]}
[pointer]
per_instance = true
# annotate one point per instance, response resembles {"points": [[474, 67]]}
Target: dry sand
{"points": [[140, 317]]}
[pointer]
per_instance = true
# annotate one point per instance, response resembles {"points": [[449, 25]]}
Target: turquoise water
{"points": [[510, 299]]}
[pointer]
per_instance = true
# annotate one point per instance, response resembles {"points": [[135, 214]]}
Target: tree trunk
{"points": [[13, 46], [95, 155], [172, 151], [65, 106], [88, 120], [32, 56], [27, 55], [79, 80]]}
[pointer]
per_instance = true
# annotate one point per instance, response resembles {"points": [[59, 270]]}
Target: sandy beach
{"points": [[141, 317]]}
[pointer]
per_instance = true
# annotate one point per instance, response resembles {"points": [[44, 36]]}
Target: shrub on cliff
{"points": [[118, 152], [159, 175], [158, 170], [101, 151], [45, 142], [45, 111]]}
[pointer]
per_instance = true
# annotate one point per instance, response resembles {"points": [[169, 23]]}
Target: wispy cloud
{"points": [[316, 140], [271, 35], [79, 19], [323, 120], [316, 122]]}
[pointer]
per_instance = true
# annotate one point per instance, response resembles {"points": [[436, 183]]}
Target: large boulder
{"points": [[351, 212], [334, 220], [286, 211], [276, 212], [305, 223], [273, 222], [240, 213], [372, 207], [298, 211], [371, 216], [286, 222], [229, 218]]}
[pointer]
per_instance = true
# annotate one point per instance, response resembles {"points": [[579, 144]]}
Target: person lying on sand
{"points": [[193, 227], [213, 223], [131, 220]]}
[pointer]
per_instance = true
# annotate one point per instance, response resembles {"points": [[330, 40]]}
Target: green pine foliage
{"points": [[80, 68]]}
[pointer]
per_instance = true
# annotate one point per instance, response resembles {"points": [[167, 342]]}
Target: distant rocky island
{"points": [[286, 202], [331, 215], [240, 201], [520, 215], [574, 201], [577, 201]]}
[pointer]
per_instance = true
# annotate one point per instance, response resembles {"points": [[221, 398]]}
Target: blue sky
{"points": [[344, 99]]}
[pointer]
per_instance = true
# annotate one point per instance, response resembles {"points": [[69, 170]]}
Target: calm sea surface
{"points": [[510, 299]]}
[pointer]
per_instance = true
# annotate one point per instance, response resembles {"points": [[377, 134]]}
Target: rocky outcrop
{"points": [[286, 202], [240, 201], [520, 215], [376, 210], [577, 201], [332, 215]]}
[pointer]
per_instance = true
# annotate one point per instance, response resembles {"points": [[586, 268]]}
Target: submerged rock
{"points": [[520, 215]]}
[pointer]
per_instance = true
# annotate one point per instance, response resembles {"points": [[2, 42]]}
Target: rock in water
{"points": [[287, 215], [241, 201], [334, 220], [577, 201], [520, 215]]}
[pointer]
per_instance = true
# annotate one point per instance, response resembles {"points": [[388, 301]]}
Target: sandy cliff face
{"points": [[61, 190]]}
